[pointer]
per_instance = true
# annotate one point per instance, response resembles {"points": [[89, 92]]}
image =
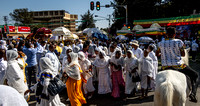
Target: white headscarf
{"points": [[101, 63], [131, 63], [81, 56], [63, 54], [106, 50], [45, 63], [3, 44], [72, 70], [128, 60], [74, 59], [11, 55], [118, 61]]}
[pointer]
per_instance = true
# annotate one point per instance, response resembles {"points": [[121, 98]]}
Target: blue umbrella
{"points": [[105, 37], [100, 36], [95, 35]]}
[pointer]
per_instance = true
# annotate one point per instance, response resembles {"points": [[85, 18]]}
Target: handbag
{"points": [[135, 77], [55, 86]]}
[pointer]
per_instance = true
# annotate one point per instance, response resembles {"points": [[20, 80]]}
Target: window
{"points": [[36, 14], [61, 12], [41, 13], [46, 13], [75, 16], [56, 12], [51, 12]]}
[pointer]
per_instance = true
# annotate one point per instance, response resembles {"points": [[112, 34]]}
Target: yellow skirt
{"points": [[74, 92]]}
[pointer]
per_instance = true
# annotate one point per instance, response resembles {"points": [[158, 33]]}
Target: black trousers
{"points": [[32, 72], [193, 75], [194, 53]]}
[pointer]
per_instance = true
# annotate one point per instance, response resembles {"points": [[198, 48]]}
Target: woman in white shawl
{"points": [[64, 61], [131, 64], [11, 97], [117, 63], [146, 67], [87, 74], [14, 74], [46, 75], [101, 64], [155, 65], [74, 81]]}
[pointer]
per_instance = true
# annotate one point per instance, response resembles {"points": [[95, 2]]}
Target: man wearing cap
{"points": [[171, 50], [136, 50]]}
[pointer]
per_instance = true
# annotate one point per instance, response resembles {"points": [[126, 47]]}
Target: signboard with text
{"points": [[11, 28], [22, 29]]}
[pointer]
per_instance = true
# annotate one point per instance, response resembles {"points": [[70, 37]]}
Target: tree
{"points": [[22, 16], [87, 21], [152, 9]]}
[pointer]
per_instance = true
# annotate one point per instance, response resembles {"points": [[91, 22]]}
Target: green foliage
{"points": [[87, 21], [21, 16]]}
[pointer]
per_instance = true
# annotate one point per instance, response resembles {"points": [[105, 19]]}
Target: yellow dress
{"points": [[59, 49], [74, 91]]}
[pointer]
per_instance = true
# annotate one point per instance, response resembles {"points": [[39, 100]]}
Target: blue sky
{"points": [[72, 6]]}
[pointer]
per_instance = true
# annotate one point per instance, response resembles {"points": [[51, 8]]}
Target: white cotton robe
{"points": [[56, 63], [155, 66], [11, 97], [146, 66], [130, 64], [104, 79], [3, 66], [85, 63]]}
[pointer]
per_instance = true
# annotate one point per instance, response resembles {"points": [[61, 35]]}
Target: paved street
{"points": [[106, 100]]}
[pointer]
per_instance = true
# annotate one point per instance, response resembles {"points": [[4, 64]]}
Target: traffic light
{"points": [[124, 25], [98, 5], [91, 5], [129, 28]]}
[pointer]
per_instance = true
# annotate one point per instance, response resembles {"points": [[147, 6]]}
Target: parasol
{"points": [[121, 37], [61, 31], [145, 39]]}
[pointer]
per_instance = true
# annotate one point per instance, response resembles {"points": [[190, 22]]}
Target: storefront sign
{"points": [[24, 29], [11, 28]]}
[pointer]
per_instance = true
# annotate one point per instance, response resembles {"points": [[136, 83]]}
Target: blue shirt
{"points": [[31, 55]]}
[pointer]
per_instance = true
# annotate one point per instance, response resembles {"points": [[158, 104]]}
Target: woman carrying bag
{"points": [[43, 97], [74, 81]]}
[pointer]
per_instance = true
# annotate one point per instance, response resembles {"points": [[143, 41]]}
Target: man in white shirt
{"points": [[136, 50], [171, 50], [54, 59], [195, 47]]}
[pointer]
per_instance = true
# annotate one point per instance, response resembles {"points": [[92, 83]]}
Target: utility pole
{"points": [[109, 18], [126, 14], [115, 5], [5, 18]]}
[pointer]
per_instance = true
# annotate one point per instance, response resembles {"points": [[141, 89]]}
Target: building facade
{"points": [[55, 18]]}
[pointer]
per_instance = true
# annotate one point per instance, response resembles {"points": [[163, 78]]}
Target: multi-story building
{"points": [[56, 18]]}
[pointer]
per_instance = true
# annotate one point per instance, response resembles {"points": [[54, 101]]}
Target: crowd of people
{"points": [[106, 67]]}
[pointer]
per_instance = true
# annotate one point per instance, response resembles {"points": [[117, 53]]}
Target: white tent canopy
{"points": [[137, 27], [61, 31], [155, 25]]}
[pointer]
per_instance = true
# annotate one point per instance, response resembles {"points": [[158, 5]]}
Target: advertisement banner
{"points": [[24, 29], [11, 28]]}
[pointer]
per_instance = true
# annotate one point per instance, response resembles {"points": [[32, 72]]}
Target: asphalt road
{"points": [[107, 100]]}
